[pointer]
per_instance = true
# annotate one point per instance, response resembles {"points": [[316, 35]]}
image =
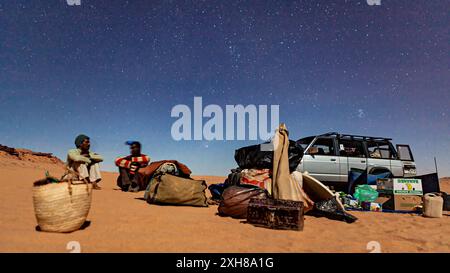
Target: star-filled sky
{"points": [[114, 69]]}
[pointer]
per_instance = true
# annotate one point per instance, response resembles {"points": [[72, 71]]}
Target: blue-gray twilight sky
{"points": [[114, 69]]}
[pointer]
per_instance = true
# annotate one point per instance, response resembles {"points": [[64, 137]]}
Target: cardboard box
{"points": [[385, 185], [400, 194], [400, 202], [407, 202], [403, 186], [382, 198], [407, 186], [386, 201]]}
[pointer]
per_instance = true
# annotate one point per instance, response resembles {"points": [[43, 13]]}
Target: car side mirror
{"points": [[313, 151]]}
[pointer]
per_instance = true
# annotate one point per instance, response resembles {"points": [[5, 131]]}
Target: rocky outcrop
{"points": [[10, 155]]}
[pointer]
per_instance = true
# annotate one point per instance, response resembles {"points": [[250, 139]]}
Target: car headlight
{"points": [[410, 170]]}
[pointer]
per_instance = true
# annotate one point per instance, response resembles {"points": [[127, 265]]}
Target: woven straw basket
{"points": [[62, 207]]}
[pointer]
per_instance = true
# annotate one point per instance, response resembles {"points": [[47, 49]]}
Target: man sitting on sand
{"points": [[129, 166], [85, 162]]}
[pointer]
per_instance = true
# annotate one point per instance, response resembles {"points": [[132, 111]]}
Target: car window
{"points": [[351, 148], [304, 142], [380, 150], [404, 152], [325, 146]]}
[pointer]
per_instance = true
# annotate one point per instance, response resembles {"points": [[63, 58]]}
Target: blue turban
{"points": [[79, 140]]}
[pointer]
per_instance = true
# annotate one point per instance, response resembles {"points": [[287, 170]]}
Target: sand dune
{"points": [[123, 222]]}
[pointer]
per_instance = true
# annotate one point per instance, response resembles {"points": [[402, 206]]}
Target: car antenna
{"points": [[435, 165]]}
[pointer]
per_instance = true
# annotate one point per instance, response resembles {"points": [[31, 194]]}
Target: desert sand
{"points": [[123, 222]]}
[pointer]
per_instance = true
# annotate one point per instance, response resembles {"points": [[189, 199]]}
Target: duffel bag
{"points": [[169, 189], [235, 200]]}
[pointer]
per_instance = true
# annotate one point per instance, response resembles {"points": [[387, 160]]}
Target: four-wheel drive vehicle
{"points": [[330, 157]]}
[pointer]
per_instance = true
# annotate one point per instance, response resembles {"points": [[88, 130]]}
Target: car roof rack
{"points": [[355, 136]]}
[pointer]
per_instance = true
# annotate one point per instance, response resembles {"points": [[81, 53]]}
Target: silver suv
{"points": [[330, 157]]}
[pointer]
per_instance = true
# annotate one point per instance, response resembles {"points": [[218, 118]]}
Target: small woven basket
{"points": [[62, 207]]}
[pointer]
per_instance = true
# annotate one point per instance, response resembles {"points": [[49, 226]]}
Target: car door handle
{"points": [[333, 159], [363, 161]]}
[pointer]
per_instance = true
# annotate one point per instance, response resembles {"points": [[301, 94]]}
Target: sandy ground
{"points": [[123, 222]]}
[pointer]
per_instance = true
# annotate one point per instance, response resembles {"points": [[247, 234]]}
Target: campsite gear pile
{"points": [[61, 205], [267, 191], [419, 194], [400, 194], [389, 194], [169, 183]]}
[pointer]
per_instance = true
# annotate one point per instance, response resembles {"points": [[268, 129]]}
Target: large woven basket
{"points": [[62, 207]]}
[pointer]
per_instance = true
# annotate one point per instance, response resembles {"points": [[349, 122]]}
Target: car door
{"points": [[396, 168], [323, 165], [351, 156], [405, 165]]}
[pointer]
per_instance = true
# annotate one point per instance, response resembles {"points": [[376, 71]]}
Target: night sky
{"points": [[114, 69]]}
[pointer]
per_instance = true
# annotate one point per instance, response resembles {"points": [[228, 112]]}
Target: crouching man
{"points": [[85, 162], [129, 166]]}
